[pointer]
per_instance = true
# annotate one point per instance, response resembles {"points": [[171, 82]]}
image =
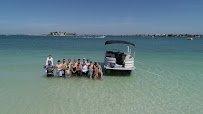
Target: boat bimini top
{"points": [[119, 42]]}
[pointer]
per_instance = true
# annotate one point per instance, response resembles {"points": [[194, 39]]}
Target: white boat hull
{"points": [[128, 64], [119, 68]]}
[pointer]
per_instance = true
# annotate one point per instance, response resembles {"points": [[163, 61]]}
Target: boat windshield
{"points": [[123, 48]]}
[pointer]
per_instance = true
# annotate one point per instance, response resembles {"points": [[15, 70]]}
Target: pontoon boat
{"points": [[115, 59]]}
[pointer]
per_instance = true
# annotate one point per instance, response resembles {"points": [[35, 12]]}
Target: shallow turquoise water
{"points": [[168, 78]]}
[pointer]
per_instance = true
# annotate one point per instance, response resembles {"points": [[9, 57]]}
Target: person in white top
{"points": [[83, 61], [49, 58], [88, 62], [84, 68]]}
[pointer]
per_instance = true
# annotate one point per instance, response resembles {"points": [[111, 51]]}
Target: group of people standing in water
{"points": [[68, 68]]}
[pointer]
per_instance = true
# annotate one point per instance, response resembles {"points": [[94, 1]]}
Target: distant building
{"points": [[61, 34]]}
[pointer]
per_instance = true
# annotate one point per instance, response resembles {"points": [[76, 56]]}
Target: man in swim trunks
{"points": [[64, 66], [79, 69], [90, 70], [59, 68]]}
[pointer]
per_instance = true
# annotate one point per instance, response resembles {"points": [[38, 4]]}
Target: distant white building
{"points": [[61, 34]]}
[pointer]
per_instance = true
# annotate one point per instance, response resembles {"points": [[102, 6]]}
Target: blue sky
{"points": [[101, 16]]}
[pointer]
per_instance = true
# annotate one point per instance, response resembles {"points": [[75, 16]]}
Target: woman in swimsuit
{"points": [[73, 67], [95, 70], [100, 73], [68, 67]]}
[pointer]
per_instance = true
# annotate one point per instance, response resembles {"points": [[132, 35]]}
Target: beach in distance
{"points": [[167, 80]]}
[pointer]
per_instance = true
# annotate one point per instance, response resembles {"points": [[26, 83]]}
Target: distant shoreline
{"points": [[103, 36]]}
